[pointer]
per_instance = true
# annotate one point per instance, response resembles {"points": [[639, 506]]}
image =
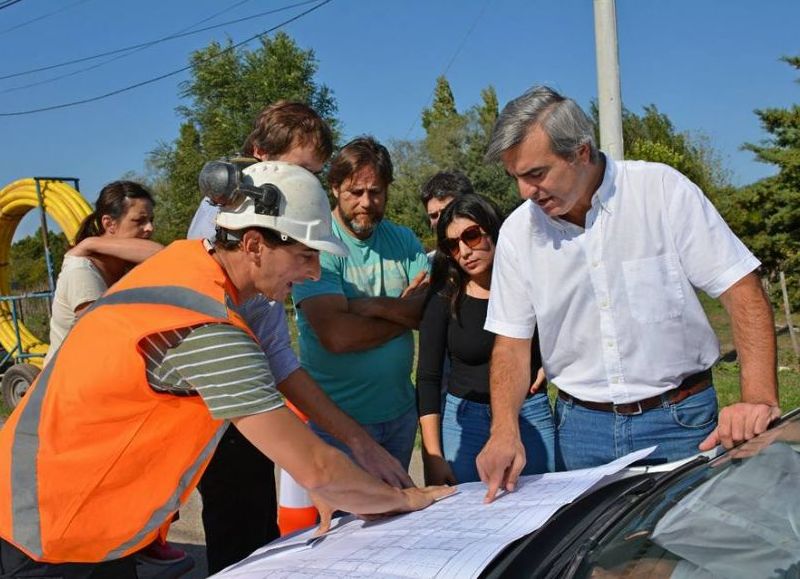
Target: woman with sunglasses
{"points": [[455, 429]]}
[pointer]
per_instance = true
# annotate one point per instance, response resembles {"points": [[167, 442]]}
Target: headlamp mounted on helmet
{"points": [[221, 181]]}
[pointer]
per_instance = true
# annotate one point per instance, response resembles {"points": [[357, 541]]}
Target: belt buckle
{"points": [[636, 412]]}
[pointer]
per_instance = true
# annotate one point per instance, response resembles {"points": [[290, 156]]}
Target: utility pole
{"points": [[608, 90]]}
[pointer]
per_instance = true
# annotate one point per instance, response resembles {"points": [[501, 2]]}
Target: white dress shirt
{"points": [[618, 317]]}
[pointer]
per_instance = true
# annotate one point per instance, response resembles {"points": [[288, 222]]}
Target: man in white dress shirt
{"points": [[605, 257]]}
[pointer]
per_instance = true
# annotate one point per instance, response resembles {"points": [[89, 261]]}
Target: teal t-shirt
{"points": [[372, 385]]}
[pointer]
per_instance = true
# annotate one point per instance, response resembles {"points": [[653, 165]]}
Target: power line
{"points": [[139, 47], [166, 75], [42, 17], [180, 34], [133, 50], [8, 3], [223, 11]]}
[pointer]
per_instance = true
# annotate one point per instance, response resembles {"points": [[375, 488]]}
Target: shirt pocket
{"points": [[653, 286]]}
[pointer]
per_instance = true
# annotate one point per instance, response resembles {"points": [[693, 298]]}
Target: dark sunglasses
{"points": [[471, 236]]}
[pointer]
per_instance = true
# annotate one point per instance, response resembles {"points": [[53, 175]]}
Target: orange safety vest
{"points": [[94, 462]]}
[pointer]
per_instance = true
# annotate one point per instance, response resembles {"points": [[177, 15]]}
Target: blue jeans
{"points": [[396, 436], [465, 430], [591, 437]]}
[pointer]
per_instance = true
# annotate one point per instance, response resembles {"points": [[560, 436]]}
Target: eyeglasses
{"points": [[471, 236]]}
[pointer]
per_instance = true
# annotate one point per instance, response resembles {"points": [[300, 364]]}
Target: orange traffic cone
{"points": [[295, 509]]}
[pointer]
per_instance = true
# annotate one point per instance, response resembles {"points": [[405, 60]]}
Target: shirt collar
{"points": [[605, 192], [601, 197], [231, 293]]}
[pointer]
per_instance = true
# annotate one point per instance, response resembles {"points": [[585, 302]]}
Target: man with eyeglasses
{"points": [[238, 488], [355, 322], [604, 257]]}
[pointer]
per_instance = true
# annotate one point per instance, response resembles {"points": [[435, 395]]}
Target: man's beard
{"points": [[364, 228]]}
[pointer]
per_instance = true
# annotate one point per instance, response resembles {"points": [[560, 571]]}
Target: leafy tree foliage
{"points": [[652, 136], [453, 140], [412, 167], [443, 109], [28, 273], [226, 91], [489, 179], [783, 147], [767, 213], [28, 267], [177, 196]]}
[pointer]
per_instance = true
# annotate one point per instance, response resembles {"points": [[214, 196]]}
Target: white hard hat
{"points": [[300, 209]]}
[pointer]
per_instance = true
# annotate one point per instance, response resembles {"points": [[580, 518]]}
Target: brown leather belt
{"points": [[690, 386]]}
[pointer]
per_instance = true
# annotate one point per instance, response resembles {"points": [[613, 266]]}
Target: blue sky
{"points": [[707, 64]]}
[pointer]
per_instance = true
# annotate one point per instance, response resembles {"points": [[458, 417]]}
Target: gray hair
{"points": [[559, 117]]}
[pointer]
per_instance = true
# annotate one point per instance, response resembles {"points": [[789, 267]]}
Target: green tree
{"points": [[28, 273], [177, 196], [769, 210], [28, 266], [226, 91], [783, 147], [652, 136], [453, 140], [412, 166], [489, 179], [446, 130], [443, 109], [766, 215]]}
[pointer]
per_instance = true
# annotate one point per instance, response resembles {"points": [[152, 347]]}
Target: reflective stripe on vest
{"points": [[24, 476], [174, 501]]}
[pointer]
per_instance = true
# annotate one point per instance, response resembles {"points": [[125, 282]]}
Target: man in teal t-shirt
{"points": [[355, 322]]}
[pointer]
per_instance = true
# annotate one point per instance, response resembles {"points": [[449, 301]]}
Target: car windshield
{"points": [[736, 516]]}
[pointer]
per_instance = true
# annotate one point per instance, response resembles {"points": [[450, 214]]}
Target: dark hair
{"points": [[447, 278], [285, 124], [361, 152], [114, 202], [446, 184]]}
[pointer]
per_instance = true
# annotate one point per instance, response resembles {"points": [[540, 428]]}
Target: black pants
{"points": [[14, 563], [240, 510]]}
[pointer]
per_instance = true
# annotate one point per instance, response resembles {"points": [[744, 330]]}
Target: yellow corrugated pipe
{"points": [[67, 208]]}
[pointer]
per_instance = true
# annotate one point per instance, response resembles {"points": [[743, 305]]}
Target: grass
{"points": [[726, 371]]}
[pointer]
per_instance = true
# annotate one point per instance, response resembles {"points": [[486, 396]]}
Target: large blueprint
{"points": [[453, 539]]}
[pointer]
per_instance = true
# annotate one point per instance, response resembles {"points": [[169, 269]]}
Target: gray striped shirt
{"points": [[219, 362]]}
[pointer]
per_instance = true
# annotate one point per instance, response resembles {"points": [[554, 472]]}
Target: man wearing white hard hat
{"points": [[105, 448], [240, 507]]}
